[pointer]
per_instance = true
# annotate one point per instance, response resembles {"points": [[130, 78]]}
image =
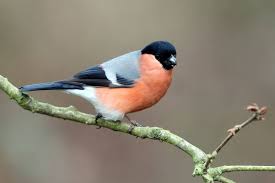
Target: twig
{"points": [[216, 173], [237, 168], [257, 114], [234, 131], [224, 180]]}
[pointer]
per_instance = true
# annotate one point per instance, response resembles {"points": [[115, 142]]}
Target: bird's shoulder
{"points": [[121, 71]]}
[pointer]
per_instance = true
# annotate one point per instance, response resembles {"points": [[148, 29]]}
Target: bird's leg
{"points": [[133, 122], [98, 116]]}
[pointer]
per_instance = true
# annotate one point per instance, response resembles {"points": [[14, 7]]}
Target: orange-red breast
{"points": [[125, 84]]}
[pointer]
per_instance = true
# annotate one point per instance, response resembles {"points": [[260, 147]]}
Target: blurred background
{"points": [[226, 61]]}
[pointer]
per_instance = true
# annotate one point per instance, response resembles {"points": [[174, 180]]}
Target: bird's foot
{"points": [[97, 117], [133, 124]]}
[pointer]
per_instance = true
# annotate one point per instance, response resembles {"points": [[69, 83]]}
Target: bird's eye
{"points": [[157, 56]]}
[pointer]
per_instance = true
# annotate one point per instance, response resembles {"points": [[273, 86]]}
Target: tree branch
{"points": [[70, 113], [234, 131], [257, 115], [199, 157], [238, 168], [224, 180]]}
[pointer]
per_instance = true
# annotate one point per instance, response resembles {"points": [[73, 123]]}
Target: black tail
{"points": [[56, 85]]}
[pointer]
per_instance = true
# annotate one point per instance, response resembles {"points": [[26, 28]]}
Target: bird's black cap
{"points": [[164, 52]]}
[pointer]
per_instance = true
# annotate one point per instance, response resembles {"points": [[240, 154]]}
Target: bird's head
{"points": [[164, 52]]}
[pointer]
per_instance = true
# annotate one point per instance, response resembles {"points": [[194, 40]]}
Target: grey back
{"points": [[126, 66]]}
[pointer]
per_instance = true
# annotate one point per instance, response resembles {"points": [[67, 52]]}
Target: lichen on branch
{"points": [[70, 113], [201, 160]]}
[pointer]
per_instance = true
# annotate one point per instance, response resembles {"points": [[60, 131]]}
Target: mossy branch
{"points": [[239, 168], [224, 180], [71, 113], [199, 157]]}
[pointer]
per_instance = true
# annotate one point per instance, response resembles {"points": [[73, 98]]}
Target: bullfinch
{"points": [[122, 85]]}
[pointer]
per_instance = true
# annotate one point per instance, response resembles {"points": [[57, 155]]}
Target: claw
{"points": [[133, 122], [131, 128], [136, 124], [97, 117]]}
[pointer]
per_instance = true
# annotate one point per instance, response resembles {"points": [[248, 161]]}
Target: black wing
{"points": [[95, 76], [96, 72]]}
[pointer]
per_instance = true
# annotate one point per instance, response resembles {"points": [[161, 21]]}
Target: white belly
{"points": [[89, 94]]}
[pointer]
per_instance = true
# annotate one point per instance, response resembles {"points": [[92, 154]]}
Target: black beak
{"points": [[173, 60]]}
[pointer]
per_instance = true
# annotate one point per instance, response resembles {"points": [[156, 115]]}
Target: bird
{"points": [[122, 85]]}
